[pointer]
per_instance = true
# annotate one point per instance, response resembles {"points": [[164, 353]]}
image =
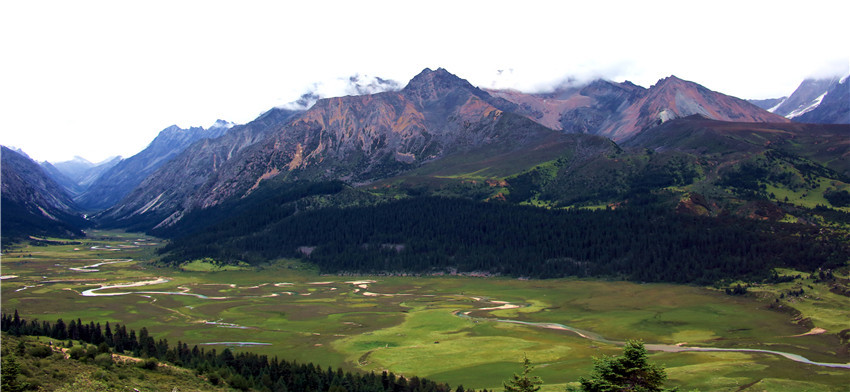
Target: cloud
{"points": [[837, 67], [539, 80], [356, 84]]}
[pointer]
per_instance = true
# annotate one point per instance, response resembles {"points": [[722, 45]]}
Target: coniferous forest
{"points": [[640, 242]]}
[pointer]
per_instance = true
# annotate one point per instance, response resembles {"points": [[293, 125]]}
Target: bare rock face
{"points": [[695, 204]]}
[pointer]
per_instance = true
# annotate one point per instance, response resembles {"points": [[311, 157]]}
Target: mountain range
{"points": [[676, 144], [437, 117]]}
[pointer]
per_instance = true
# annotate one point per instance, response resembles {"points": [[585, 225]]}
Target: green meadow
{"points": [[410, 325]]}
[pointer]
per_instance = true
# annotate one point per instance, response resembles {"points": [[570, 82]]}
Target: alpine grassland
{"points": [[462, 330]]}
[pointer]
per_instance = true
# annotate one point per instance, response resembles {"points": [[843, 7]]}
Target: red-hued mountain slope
{"points": [[622, 110]]}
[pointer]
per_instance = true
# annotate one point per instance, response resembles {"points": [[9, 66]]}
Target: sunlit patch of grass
{"points": [[826, 309], [806, 196], [208, 265]]}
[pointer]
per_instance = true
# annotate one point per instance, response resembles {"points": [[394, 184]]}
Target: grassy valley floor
{"points": [[441, 327]]}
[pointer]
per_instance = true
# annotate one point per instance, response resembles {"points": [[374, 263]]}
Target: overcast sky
{"points": [[102, 78]]}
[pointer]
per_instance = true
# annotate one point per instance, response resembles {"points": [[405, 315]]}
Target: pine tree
{"points": [[524, 382], [107, 334], [629, 372]]}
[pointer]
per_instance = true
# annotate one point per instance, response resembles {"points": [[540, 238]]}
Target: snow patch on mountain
{"points": [[773, 109], [800, 111]]}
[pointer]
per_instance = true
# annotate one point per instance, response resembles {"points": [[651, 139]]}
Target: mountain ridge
{"points": [[113, 184]]}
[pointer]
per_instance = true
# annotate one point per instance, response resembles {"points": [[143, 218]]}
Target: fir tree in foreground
{"points": [[629, 372], [524, 382]]}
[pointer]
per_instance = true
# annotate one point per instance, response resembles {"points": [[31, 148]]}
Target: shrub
{"points": [[104, 360], [238, 382], [149, 364], [40, 351], [77, 352], [214, 378], [838, 199], [103, 348], [91, 351]]}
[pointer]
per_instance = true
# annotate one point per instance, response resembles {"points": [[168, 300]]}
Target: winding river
{"points": [[362, 285], [186, 291], [91, 268], [670, 348], [94, 292]]}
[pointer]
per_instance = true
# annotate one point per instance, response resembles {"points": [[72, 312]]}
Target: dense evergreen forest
{"points": [[243, 371], [18, 223], [640, 242]]}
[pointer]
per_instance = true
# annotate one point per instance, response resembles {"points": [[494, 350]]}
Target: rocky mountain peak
{"points": [[429, 74], [431, 84], [674, 82], [170, 130], [605, 87], [221, 124]]}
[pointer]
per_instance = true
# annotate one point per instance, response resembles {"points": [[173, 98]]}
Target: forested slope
{"points": [[437, 235]]}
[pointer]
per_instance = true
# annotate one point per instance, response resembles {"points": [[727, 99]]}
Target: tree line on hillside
{"points": [[243, 370], [640, 242]]}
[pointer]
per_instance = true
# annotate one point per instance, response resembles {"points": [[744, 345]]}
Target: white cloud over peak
{"points": [[357, 84]]}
